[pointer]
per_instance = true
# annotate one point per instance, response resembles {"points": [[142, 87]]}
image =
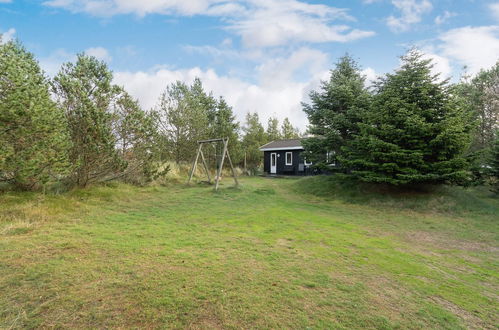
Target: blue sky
{"points": [[261, 55]]}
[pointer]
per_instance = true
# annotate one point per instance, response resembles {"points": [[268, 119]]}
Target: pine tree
{"points": [[336, 110], [273, 132], [33, 132], [483, 96], [415, 131], [224, 125], [185, 113], [253, 139], [288, 131], [85, 91], [137, 140]]}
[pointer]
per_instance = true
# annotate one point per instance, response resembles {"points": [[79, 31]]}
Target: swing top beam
{"points": [[213, 140]]}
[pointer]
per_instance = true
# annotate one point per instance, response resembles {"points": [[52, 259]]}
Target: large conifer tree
{"points": [[336, 110], [85, 91], [33, 132], [414, 132]]}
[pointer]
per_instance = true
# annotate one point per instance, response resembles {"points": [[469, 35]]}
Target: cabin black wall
{"points": [[282, 168], [266, 161]]}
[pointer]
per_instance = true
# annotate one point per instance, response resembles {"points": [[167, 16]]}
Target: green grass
{"points": [[275, 253]]}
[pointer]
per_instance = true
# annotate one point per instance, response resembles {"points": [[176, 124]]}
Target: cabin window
{"points": [[289, 158], [306, 162], [331, 158]]}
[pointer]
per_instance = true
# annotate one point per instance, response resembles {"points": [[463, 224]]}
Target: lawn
{"points": [[275, 253]]}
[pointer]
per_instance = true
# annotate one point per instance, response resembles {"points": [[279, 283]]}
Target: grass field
{"points": [[275, 253]]}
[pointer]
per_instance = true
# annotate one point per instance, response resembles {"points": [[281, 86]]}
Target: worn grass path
{"points": [[262, 256]]}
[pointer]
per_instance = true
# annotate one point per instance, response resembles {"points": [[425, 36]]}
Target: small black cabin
{"points": [[284, 157]]}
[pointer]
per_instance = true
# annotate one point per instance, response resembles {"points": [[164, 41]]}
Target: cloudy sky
{"points": [[261, 55]]}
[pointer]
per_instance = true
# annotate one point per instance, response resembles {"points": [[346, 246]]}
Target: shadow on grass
{"points": [[439, 198]]}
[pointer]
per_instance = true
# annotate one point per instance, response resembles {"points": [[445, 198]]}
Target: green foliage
{"points": [[336, 110], [180, 123], [254, 138], [493, 165], [288, 131], [33, 134], [137, 139], [442, 199], [482, 96], [273, 132], [183, 113], [85, 91], [188, 114], [414, 132], [223, 124]]}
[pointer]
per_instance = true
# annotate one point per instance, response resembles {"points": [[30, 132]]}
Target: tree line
{"points": [[79, 127], [410, 127]]}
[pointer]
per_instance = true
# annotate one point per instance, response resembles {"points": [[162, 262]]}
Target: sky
{"points": [[260, 55]]}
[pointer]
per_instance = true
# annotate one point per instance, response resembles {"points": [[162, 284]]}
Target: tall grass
{"points": [[180, 172]]}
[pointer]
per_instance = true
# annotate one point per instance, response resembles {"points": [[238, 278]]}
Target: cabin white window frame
{"points": [[331, 158], [306, 162], [286, 158]]}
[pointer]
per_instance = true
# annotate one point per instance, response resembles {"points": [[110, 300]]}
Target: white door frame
{"points": [[273, 169]]}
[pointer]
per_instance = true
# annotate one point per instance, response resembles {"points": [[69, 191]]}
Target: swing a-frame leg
{"points": [[205, 165], [218, 174]]}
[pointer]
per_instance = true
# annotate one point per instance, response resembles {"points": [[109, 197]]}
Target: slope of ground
{"points": [[274, 253]]}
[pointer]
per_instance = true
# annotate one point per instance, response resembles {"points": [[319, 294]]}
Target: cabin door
{"points": [[273, 163]]}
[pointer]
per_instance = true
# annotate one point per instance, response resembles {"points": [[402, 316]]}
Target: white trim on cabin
{"points": [[284, 148], [290, 153], [273, 163]]}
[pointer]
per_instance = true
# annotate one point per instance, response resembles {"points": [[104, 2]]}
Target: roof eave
{"points": [[281, 148]]}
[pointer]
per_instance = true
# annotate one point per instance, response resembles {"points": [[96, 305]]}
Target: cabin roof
{"points": [[290, 144]]}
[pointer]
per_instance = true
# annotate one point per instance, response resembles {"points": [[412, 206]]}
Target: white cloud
{"points": [[260, 23], [274, 23], [243, 96], [115, 7], [7, 36], [475, 47], [370, 74], [100, 53], [277, 72], [52, 63], [280, 87], [216, 52], [441, 19], [411, 13], [5, 1], [494, 8], [441, 65]]}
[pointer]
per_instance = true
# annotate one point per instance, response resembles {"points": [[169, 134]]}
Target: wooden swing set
{"points": [[220, 164]]}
